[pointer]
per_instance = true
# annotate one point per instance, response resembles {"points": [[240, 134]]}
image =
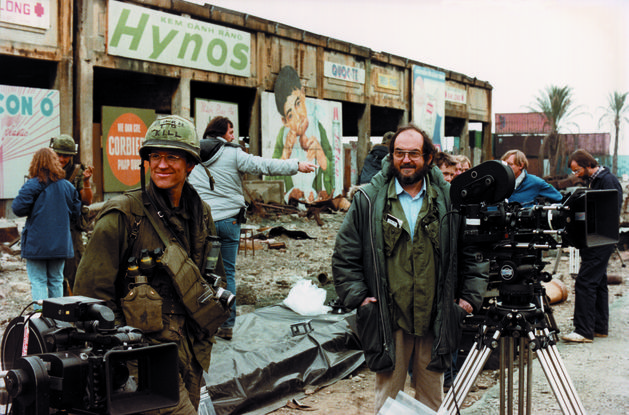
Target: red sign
{"points": [[122, 147]]}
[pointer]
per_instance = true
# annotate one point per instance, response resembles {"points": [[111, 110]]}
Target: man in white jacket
{"points": [[227, 163]]}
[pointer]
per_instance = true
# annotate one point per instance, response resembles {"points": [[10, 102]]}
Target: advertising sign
{"points": [[29, 118], [343, 72], [123, 132], [205, 110], [320, 144], [429, 92], [140, 33], [31, 13]]}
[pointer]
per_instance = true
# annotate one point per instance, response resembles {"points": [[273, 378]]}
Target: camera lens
{"points": [[225, 297]]}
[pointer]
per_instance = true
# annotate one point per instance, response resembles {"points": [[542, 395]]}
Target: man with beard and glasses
{"points": [[395, 261]]}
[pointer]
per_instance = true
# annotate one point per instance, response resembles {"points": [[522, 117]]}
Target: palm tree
{"points": [[617, 108], [556, 105]]}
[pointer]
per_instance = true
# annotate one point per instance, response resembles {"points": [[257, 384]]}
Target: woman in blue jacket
{"points": [[51, 204]]}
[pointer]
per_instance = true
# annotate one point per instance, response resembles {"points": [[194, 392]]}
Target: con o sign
{"points": [[122, 150]]}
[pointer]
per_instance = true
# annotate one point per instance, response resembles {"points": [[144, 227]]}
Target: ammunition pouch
{"points": [[142, 308], [198, 297]]}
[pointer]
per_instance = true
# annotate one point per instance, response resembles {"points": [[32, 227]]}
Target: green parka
{"points": [[359, 270]]}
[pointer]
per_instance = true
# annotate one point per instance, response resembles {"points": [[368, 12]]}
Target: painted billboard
{"points": [[429, 107], [319, 143], [205, 110], [29, 118], [140, 33], [123, 132], [31, 13]]}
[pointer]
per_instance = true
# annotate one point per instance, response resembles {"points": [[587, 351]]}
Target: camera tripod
{"points": [[531, 325]]}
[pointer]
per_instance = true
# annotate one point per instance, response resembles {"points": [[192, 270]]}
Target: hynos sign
{"points": [[140, 33]]}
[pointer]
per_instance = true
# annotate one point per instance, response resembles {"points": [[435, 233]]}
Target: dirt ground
{"points": [[265, 277]]}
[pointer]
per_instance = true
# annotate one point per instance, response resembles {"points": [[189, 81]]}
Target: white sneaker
{"points": [[576, 338]]}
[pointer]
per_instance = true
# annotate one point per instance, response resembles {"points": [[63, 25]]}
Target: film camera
{"points": [[514, 237], [71, 357]]}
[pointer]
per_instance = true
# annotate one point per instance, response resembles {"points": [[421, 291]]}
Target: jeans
{"points": [[229, 232], [46, 276]]}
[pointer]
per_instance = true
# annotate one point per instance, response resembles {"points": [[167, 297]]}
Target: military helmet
{"points": [[172, 132], [64, 144]]}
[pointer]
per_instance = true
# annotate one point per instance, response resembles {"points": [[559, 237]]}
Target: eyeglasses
{"points": [[577, 171], [170, 158], [412, 154]]}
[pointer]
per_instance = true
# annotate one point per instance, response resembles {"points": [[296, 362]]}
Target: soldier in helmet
{"points": [[167, 213], [79, 176]]}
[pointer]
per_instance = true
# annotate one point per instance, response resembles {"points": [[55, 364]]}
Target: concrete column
{"points": [[364, 137], [181, 98], [84, 101], [364, 124]]}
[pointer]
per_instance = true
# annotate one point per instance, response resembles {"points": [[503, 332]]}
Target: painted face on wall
{"points": [[295, 112]]}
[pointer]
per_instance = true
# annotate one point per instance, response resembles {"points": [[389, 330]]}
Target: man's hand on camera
{"points": [[306, 167]]}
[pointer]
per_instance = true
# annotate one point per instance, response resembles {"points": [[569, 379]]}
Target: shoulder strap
{"points": [[156, 226], [75, 171]]}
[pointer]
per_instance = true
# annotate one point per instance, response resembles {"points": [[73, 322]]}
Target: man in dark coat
{"points": [[591, 296], [373, 161], [395, 261]]}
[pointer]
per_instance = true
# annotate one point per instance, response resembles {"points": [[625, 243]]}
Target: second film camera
{"points": [[71, 357]]}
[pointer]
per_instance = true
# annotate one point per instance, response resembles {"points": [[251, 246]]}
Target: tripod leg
{"points": [[529, 380], [472, 366], [565, 378], [558, 379], [503, 378], [620, 257], [521, 373]]}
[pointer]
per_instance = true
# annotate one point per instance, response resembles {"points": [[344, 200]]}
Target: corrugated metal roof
{"points": [[521, 123]]}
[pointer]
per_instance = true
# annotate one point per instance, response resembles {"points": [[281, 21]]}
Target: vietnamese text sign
{"points": [[32, 13], [457, 95], [139, 33], [123, 132], [343, 72], [29, 118], [205, 110]]}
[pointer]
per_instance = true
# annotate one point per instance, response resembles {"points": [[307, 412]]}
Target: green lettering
{"points": [[240, 53], [198, 42], [123, 29], [210, 52], [159, 46]]}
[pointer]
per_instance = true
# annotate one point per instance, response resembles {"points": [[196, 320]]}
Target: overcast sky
{"points": [[518, 46]]}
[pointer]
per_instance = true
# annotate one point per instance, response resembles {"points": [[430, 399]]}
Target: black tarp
{"points": [[264, 365]]}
